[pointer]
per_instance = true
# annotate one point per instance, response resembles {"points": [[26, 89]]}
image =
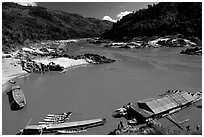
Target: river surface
{"points": [[95, 91]]}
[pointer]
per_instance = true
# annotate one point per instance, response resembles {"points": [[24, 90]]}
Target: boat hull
{"points": [[16, 99], [54, 128]]}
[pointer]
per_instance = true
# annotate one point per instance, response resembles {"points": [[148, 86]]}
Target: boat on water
{"points": [[16, 97], [70, 131], [59, 115], [157, 107], [54, 128], [56, 118], [51, 122]]}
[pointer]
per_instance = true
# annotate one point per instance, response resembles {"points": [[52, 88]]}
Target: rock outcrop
{"points": [[192, 51], [32, 66], [149, 42], [27, 56], [95, 59]]}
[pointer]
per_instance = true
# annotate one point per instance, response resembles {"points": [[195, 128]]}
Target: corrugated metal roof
{"points": [[170, 104], [158, 105], [187, 96], [141, 111], [181, 98]]}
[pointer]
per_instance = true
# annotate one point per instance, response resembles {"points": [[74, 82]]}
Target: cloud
{"points": [[123, 13], [119, 16], [109, 19], [27, 3]]}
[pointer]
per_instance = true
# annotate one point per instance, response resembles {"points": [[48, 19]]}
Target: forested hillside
{"points": [[168, 18], [21, 24]]}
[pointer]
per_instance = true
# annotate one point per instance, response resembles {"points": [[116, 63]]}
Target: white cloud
{"points": [[27, 3], [119, 16], [123, 13], [109, 19]]}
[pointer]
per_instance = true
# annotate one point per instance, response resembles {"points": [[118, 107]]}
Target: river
{"points": [[95, 91]]}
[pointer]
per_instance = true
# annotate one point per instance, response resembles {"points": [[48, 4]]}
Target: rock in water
{"points": [[192, 51]]}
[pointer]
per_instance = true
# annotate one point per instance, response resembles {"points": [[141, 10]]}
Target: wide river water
{"points": [[95, 91]]}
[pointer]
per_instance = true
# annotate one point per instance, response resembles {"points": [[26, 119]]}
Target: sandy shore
{"points": [[65, 62], [10, 70]]}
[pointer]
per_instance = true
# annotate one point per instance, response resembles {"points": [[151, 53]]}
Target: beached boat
{"points": [[53, 128], [16, 97], [157, 107]]}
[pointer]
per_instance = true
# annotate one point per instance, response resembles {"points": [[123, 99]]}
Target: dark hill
{"points": [[160, 19], [22, 24]]}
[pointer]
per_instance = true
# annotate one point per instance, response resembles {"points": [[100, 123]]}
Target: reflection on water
{"points": [[97, 90]]}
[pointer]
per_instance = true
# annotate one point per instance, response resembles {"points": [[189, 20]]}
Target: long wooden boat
{"points": [[52, 128], [70, 131], [16, 97], [53, 118], [58, 115], [51, 122], [56, 118]]}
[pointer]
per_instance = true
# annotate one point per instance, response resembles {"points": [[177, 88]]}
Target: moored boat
{"points": [[50, 122], [70, 131], [58, 115], [156, 107], [16, 97], [56, 118], [52, 128]]}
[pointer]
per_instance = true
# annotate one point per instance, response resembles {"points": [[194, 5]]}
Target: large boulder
{"points": [[97, 59]]}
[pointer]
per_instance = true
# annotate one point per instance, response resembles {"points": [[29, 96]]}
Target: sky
{"points": [[112, 11]]}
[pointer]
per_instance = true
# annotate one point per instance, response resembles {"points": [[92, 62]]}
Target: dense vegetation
{"points": [[23, 24], [160, 19]]}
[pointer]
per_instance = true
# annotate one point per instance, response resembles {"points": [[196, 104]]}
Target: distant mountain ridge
{"points": [[167, 18], [30, 23]]}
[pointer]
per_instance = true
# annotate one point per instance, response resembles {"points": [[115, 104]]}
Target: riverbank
{"points": [[62, 61], [40, 59], [10, 70], [147, 42]]}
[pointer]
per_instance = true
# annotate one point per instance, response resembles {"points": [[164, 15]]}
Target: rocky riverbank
{"points": [[152, 128], [192, 51], [43, 57], [147, 42], [141, 120]]}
